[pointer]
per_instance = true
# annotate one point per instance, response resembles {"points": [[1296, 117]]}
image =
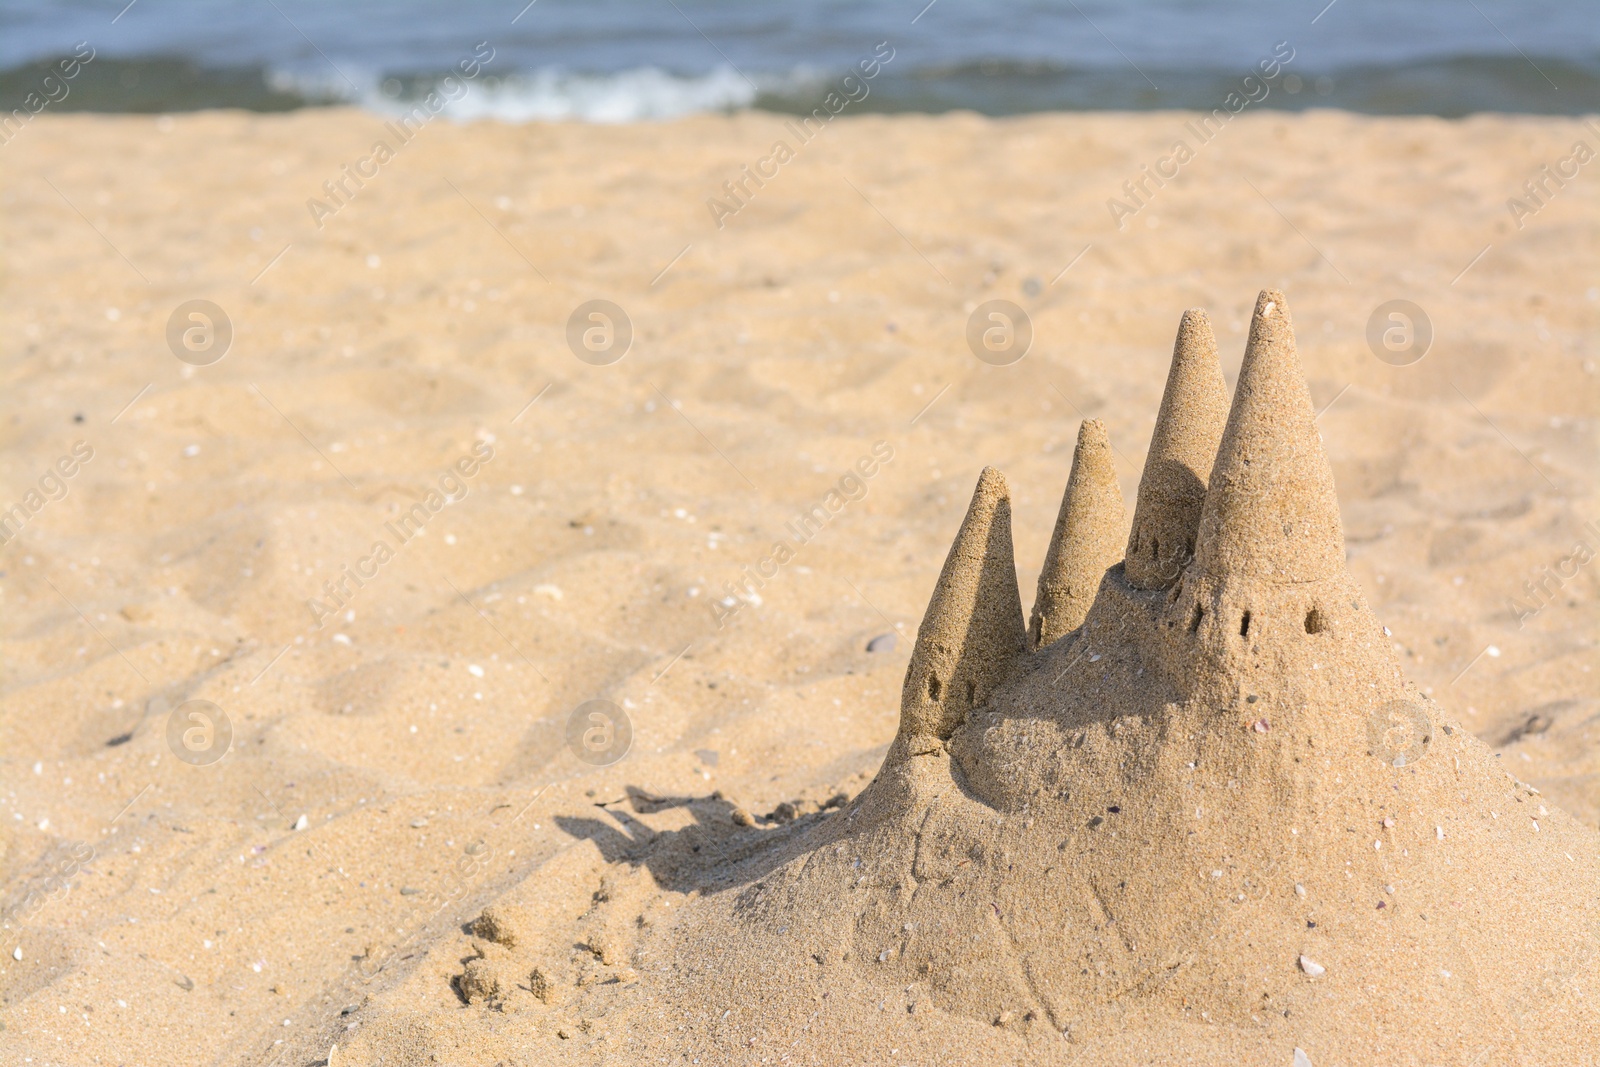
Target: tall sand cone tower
{"points": [[1172, 489], [1086, 542], [1271, 511], [973, 630]]}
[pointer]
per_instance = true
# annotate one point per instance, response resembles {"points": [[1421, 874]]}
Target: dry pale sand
{"points": [[165, 911]]}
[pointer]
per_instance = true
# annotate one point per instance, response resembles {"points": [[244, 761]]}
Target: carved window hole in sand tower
{"points": [[1194, 623], [933, 687], [972, 693], [1244, 625], [1315, 622]]}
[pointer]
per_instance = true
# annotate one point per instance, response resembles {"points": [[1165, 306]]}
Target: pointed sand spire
{"points": [[1172, 489], [973, 628], [1087, 539], [1271, 511]]}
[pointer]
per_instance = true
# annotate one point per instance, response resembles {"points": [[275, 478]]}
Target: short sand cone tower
{"points": [[1193, 814]]}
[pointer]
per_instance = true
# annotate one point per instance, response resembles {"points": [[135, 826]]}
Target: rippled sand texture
{"points": [[161, 910]]}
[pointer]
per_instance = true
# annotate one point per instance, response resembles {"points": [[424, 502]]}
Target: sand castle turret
{"points": [[973, 629], [1172, 489], [1087, 539], [1271, 511]]}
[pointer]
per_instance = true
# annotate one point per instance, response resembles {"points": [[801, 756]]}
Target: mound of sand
{"points": [[1200, 817]]}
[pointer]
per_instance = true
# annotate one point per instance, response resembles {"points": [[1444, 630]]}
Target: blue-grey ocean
{"points": [[627, 60]]}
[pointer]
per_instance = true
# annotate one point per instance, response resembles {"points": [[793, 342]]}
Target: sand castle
{"points": [[1192, 813], [1189, 812]]}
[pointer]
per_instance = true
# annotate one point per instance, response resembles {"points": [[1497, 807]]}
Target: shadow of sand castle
{"points": [[714, 853]]}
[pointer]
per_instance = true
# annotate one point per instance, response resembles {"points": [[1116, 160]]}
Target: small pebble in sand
{"points": [[1312, 968], [418, 823], [1262, 726], [882, 643], [741, 817], [301, 823], [1300, 1059]]}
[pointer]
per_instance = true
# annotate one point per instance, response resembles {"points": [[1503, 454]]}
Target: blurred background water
{"points": [[626, 60]]}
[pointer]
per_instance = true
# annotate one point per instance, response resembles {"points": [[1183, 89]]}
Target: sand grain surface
{"points": [[162, 911]]}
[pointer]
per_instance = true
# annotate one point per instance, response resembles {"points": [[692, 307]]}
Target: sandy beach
{"points": [[705, 527]]}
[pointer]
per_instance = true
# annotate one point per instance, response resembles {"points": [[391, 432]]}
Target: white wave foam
{"points": [[635, 95], [542, 95]]}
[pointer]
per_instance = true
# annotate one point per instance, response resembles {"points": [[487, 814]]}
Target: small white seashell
{"points": [[1312, 968], [1300, 1059], [301, 823]]}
